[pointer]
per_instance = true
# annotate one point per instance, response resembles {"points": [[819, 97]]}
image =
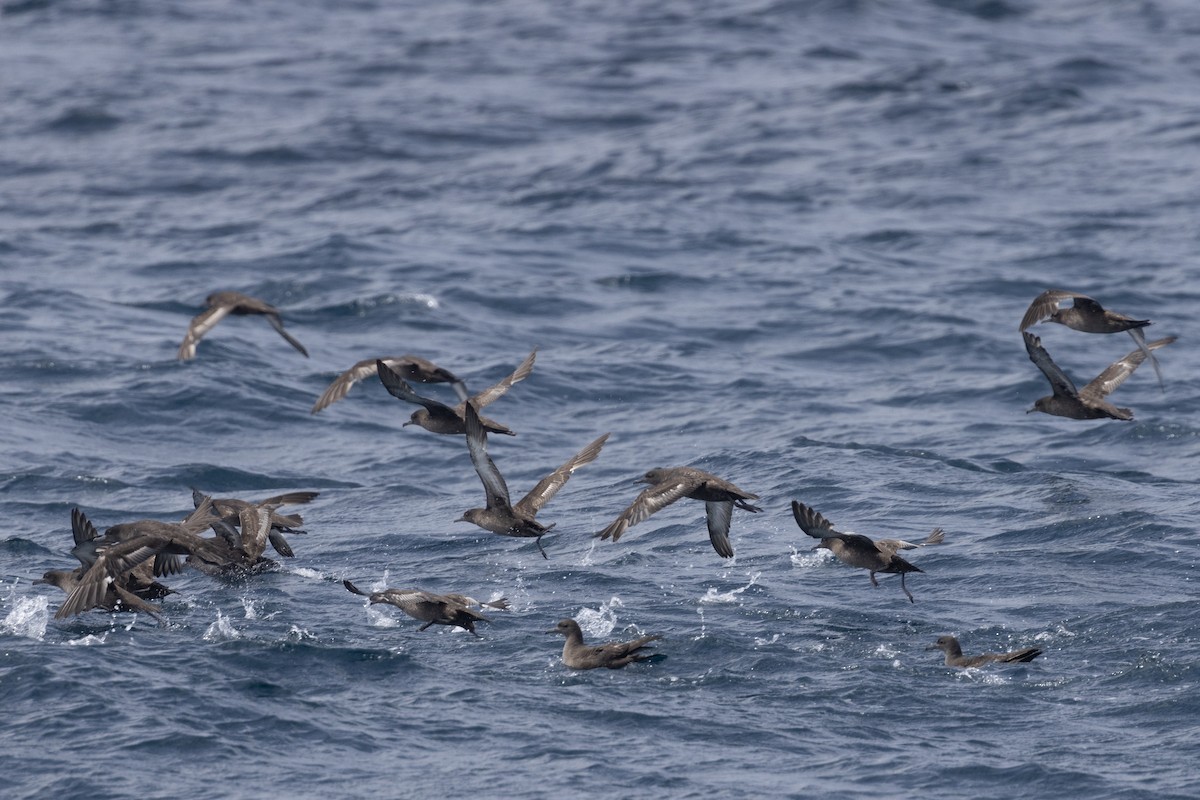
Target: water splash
{"points": [[599, 622], [713, 596], [28, 617], [221, 630], [807, 559]]}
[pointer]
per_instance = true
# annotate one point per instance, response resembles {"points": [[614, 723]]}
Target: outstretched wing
{"points": [[1116, 373], [1059, 382], [1046, 303], [493, 481], [201, 324], [649, 501], [548, 486], [398, 387], [492, 393]]}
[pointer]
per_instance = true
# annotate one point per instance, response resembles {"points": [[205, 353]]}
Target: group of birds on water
{"points": [[118, 570]]}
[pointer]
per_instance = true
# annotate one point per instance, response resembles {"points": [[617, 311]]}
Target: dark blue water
{"points": [[787, 242]]}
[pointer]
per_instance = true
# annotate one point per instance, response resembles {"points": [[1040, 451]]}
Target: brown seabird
{"points": [[668, 484], [500, 515], [612, 655], [409, 367], [433, 609], [1088, 316], [861, 551], [230, 510], [221, 305], [955, 657], [1088, 403], [438, 417]]}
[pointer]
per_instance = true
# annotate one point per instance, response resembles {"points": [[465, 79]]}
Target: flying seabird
{"points": [[221, 305], [1088, 316], [433, 609], [861, 551], [438, 417], [500, 515], [409, 367], [668, 484], [1088, 403]]}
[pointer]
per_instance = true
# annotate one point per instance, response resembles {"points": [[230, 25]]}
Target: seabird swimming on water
{"points": [[438, 417], [500, 515], [1089, 402], [221, 305], [668, 484], [955, 657], [861, 551], [612, 655]]}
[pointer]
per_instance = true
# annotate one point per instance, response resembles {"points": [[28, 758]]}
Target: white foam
{"points": [[28, 617], [89, 640], [221, 630], [713, 596]]}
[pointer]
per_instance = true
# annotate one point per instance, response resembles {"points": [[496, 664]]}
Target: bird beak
{"points": [[933, 647], [1031, 410], [552, 630], [463, 518], [36, 581], [405, 425]]}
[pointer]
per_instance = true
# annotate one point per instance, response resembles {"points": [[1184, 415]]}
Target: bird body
{"points": [[500, 515], [437, 417], [408, 367], [221, 305], [861, 551], [668, 484], [1089, 402], [955, 658], [430, 608], [612, 655]]}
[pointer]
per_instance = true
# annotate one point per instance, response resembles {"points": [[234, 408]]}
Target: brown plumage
{"points": [[612, 655], [1089, 402], [955, 658], [1088, 316], [432, 609], [668, 484], [501, 515], [861, 551], [438, 417], [408, 367], [221, 305]]}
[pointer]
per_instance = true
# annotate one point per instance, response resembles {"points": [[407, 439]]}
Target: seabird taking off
{"points": [[668, 484], [1088, 403], [221, 305], [433, 609], [612, 655], [861, 551]]}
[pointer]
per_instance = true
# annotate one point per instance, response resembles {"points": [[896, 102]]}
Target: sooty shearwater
{"points": [[1088, 316], [955, 657], [221, 305], [668, 484], [612, 655], [433, 609], [230, 509], [500, 515], [440, 418], [1088, 403], [409, 367], [861, 551]]}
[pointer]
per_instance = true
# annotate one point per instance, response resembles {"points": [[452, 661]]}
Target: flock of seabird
{"points": [[118, 570]]}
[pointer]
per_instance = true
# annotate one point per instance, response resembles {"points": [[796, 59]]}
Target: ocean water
{"points": [[786, 242]]}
